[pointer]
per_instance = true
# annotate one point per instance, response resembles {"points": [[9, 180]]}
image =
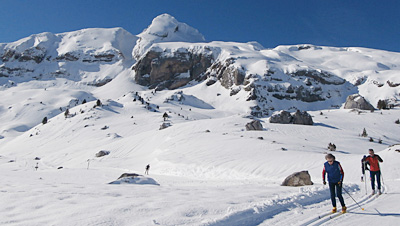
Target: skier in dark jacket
{"points": [[374, 170], [147, 169], [335, 179]]}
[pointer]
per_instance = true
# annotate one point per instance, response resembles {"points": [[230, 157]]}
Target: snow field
{"points": [[227, 176]]}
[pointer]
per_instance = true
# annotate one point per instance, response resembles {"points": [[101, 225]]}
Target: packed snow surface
{"points": [[206, 169]]}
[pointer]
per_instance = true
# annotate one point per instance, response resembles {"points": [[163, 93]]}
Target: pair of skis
{"points": [[331, 215]]}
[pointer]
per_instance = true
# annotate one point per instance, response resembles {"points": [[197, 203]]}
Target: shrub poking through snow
{"points": [[331, 147], [364, 133]]}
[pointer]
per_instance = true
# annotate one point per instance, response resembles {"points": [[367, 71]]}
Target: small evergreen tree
{"points": [[165, 116], [371, 139], [397, 121], [66, 113], [44, 121], [84, 101], [382, 104], [98, 103], [364, 133]]}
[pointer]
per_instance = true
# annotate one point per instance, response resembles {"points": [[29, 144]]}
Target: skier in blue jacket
{"points": [[335, 179]]}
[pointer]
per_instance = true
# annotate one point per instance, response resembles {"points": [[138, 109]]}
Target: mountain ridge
{"points": [[288, 77]]}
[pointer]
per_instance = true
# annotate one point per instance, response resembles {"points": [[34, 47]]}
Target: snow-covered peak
{"points": [[165, 28], [97, 40], [35, 40], [90, 40]]}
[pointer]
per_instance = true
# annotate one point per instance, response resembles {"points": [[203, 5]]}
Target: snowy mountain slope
{"points": [[301, 77], [275, 78], [219, 177], [210, 170], [92, 56]]}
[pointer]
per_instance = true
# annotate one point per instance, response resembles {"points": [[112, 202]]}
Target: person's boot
{"points": [[379, 192], [344, 209], [334, 210], [373, 192]]}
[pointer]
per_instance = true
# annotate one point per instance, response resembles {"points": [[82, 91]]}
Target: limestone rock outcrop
{"points": [[356, 101], [301, 178]]}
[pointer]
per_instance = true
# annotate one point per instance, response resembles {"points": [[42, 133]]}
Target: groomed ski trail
{"points": [[322, 219]]}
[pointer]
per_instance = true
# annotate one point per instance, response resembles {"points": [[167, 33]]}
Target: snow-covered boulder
{"points": [[356, 101], [102, 153], [301, 178], [133, 178], [254, 125], [165, 125]]}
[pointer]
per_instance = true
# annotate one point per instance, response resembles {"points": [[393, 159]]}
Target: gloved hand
{"points": [[324, 182], [339, 183], [362, 178]]}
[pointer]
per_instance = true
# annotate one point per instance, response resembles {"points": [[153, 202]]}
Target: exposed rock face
{"points": [[35, 54], [356, 101], [298, 179], [284, 117], [226, 73], [321, 77], [254, 125], [173, 71]]}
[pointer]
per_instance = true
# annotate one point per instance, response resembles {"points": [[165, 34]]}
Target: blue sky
{"points": [[364, 23]]}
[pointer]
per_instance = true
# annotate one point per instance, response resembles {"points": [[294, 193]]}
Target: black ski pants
{"points": [[336, 190], [378, 179]]}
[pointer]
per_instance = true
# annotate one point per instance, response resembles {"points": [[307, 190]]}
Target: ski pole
{"points": [[352, 198], [365, 179]]}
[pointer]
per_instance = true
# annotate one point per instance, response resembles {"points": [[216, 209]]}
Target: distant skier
{"points": [[147, 169], [373, 161], [335, 179], [37, 166]]}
